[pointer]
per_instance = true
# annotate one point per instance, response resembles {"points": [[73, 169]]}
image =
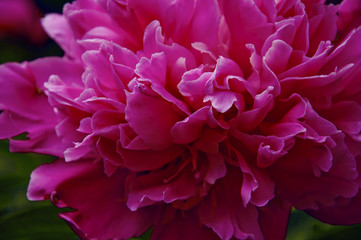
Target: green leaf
{"points": [[145, 236], [21, 219], [35, 223], [303, 227]]}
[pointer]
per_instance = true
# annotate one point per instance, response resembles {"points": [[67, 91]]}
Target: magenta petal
{"points": [[305, 187], [250, 27], [68, 71], [205, 23], [154, 42], [349, 14], [193, 85], [257, 187], [346, 52], [39, 189], [58, 28], [181, 226], [145, 160], [222, 101], [223, 211], [106, 118], [164, 185], [248, 120], [188, 130], [276, 212], [73, 185], [29, 112], [345, 115], [140, 113], [32, 102], [210, 140], [277, 57], [267, 149], [226, 67], [340, 214], [216, 169], [323, 25], [153, 69]]}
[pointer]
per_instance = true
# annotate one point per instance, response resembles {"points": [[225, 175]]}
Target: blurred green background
{"points": [[21, 219]]}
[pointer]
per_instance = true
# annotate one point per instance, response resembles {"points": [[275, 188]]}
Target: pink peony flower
{"points": [[21, 18], [202, 119]]}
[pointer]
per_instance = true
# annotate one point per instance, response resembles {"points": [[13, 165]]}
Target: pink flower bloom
{"points": [[21, 18], [203, 119]]}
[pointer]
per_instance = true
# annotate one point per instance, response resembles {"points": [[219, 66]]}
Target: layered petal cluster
{"points": [[200, 119]]}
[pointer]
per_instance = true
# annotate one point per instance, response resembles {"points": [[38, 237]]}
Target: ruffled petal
{"points": [[223, 211], [98, 215]]}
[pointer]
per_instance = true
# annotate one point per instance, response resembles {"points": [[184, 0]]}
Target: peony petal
{"points": [[276, 212], [164, 185], [223, 211], [250, 27], [153, 69], [277, 57], [348, 16], [30, 111], [181, 225], [342, 214], [151, 117], [146, 160], [216, 168], [189, 129], [302, 174], [58, 28], [222, 101], [322, 26], [74, 187], [23, 81]]}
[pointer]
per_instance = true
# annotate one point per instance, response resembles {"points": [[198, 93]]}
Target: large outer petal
{"points": [[275, 212], [343, 214], [296, 175], [29, 111], [99, 201]]}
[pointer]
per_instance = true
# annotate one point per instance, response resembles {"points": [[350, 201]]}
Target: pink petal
{"points": [[222, 101], [276, 212], [305, 188], [189, 129], [151, 117], [277, 57], [348, 16], [340, 214], [216, 168], [153, 69], [164, 185], [346, 116], [58, 28], [136, 160], [322, 26], [181, 225], [223, 211], [74, 184], [250, 27]]}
